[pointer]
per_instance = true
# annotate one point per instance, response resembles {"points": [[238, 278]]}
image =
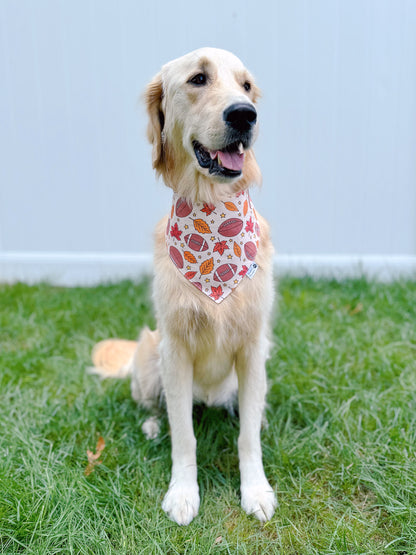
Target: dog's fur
{"points": [[203, 350]]}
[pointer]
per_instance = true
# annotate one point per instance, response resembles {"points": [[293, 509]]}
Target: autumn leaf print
{"points": [[216, 292], [208, 209], [220, 247], [245, 207], [207, 267], [237, 250], [243, 271], [189, 257], [231, 206], [175, 232], [190, 275], [250, 225], [201, 226]]}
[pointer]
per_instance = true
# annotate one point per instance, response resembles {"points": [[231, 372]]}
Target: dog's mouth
{"points": [[227, 162]]}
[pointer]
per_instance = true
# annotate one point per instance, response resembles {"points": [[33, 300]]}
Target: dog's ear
{"points": [[153, 98], [256, 92]]}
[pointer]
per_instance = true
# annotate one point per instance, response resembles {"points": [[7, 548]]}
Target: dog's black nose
{"points": [[240, 116]]}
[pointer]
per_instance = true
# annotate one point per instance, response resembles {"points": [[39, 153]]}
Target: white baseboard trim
{"points": [[74, 268], [378, 267]]}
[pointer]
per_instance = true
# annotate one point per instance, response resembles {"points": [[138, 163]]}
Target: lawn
{"points": [[339, 450]]}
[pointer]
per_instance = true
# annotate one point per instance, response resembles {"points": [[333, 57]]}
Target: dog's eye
{"points": [[198, 79], [247, 86]]}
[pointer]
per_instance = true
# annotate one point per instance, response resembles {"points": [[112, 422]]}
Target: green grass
{"points": [[340, 448]]}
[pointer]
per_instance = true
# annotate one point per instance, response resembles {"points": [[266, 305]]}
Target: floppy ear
{"points": [[153, 98]]}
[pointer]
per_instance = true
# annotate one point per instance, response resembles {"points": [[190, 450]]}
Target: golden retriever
{"points": [[202, 124]]}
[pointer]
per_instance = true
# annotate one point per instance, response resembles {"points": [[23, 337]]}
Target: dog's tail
{"points": [[120, 358], [113, 358]]}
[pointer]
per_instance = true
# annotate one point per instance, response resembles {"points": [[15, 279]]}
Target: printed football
{"points": [[250, 250], [231, 227], [196, 242], [176, 257], [225, 272], [183, 208]]}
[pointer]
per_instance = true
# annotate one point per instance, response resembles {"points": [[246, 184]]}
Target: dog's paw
{"points": [[151, 427], [259, 500], [181, 503]]}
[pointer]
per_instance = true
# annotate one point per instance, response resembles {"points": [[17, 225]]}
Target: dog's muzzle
{"points": [[228, 161]]}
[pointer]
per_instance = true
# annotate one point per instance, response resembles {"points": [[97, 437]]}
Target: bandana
{"points": [[214, 247]]}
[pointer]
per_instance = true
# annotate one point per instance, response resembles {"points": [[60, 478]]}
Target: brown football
{"points": [[176, 257], [196, 242], [183, 208], [225, 272], [250, 250], [231, 227]]}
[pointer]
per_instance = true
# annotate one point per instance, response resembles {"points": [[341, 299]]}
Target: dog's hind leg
{"points": [[146, 381]]}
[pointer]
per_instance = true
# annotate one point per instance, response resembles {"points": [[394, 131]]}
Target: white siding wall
{"points": [[337, 145]]}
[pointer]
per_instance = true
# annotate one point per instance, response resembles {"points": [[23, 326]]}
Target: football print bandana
{"points": [[213, 246]]}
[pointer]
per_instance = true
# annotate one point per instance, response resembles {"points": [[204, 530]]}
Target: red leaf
{"points": [[243, 271], [216, 292], [220, 247], [250, 225], [208, 208], [175, 232]]}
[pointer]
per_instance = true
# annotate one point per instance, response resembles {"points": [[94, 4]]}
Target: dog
{"points": [[213, 284]]}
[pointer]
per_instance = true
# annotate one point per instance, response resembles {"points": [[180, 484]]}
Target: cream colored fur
{"points": [[202, 350]]}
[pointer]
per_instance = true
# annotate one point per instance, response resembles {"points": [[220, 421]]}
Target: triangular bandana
{"points": [[213, 246]]}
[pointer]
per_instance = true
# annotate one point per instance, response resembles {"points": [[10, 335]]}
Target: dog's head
{"points": [[202, 124]]}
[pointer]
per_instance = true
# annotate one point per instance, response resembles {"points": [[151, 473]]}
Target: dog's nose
{"points": [[240, 116]]}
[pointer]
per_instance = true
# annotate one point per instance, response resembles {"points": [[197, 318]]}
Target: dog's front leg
{"points": [[181, 501], [257, 496]]}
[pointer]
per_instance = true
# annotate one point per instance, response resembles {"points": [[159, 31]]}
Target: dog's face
{"points": [[203, 119]]}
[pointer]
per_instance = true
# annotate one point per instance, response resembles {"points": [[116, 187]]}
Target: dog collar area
{"points": [[214, 246]]}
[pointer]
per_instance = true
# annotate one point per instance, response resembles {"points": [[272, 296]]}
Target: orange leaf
{"points": [[237, 250], [231, 206], [245, 207], [189, 257], [93, 457], [201, 226], [207, 267], [171, 212]]}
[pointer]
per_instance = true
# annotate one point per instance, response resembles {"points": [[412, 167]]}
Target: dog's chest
{"points": [[214, 377]]}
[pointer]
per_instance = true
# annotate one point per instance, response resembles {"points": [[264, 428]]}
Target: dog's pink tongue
{"points": [[231, 160]]}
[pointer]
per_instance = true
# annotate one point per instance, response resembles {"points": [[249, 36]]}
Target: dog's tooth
{"points": [[219, 161], [240, 148]]}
